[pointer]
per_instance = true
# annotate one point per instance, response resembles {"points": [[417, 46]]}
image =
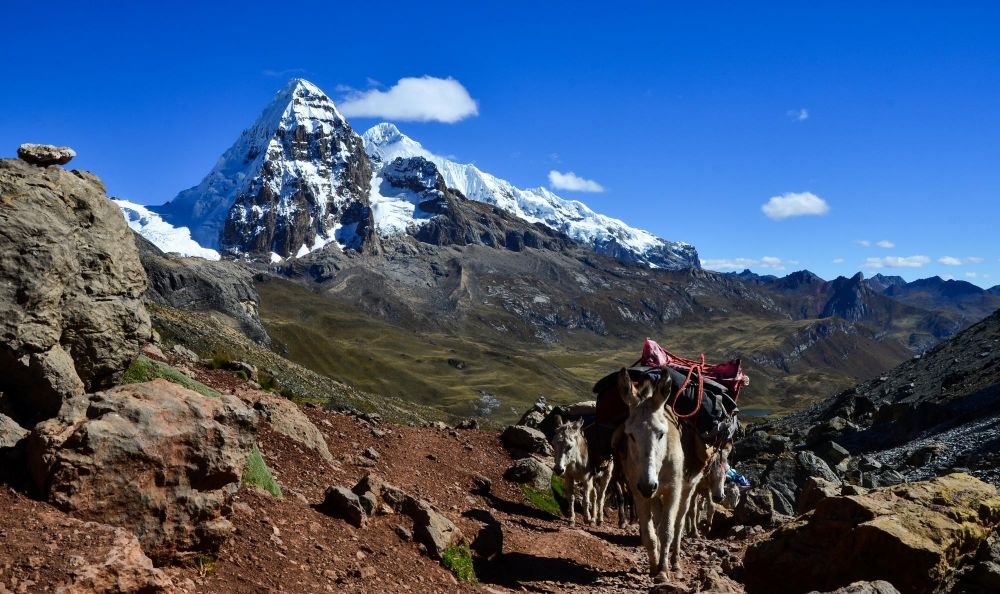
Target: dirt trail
{"points": [[288, 545]]}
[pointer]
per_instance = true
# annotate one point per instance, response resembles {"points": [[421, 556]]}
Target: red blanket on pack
{"points": [[729, 374]]}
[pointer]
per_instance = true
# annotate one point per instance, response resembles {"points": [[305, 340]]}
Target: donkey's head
{"points": [[569, 445], [716, 473], [646, 429]]}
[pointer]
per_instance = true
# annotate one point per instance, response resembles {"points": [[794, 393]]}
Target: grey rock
{"points": [[185, 353], [876, 587], [286, 418], [12, 443], [45, 154], [832, 452], [156, 458], [756, 508], [519, 437], [815, 490], [70, 290], [368, 502], [340, 502], [787, 476], [530, 471]]}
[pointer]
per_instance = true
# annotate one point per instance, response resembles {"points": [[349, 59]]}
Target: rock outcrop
{"points": [[196, 284], [156, 458], [71, 314], [44, 155], [914, 536], [286, 418]]}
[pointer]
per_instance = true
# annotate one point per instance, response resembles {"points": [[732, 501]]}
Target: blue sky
{"points": [[691, 118]]}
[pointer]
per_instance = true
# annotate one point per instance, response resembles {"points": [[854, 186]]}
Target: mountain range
{"points": [[301, 178]]}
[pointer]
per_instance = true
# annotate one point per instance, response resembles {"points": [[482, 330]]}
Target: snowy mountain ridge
{"points": [[384, 143]]}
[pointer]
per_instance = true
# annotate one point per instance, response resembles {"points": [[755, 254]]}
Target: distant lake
{"points": [[755, 412]]}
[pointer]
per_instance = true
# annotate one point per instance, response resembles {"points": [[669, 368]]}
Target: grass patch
{"points": [[553, 501], [257, 474], [144, 369], [458, 560], [205, 565]]}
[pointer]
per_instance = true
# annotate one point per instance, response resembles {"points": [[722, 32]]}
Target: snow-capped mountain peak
{"points": [[286, 184], [385, 143]]}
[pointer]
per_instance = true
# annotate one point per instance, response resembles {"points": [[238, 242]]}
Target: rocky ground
{"points": [[290, 544]]}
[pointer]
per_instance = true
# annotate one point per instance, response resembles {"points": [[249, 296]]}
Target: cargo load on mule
{"points": [[705, 395]]}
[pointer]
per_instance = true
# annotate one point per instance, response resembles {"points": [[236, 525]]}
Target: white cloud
{"points": [[949, 261], [794, 204], [897, 262], [971, 274], [573, 182], [864, 243], [974, 260], [727, 264], [838, 260], [423, 99], [885, 243], [798, 115]]}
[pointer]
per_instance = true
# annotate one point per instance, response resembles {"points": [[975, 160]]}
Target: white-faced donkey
{"points": [[574, 463]]}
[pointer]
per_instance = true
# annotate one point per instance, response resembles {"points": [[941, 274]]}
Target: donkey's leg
{"points": [[602, 493], [588, 499], [647, 531], [571, 492], [683, 503], [709, 514], [660, 523]]}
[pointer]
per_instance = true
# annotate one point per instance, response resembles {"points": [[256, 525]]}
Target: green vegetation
{"points": [[458, 560], [205, 565], [257, 474], [342, 342], [553, 501], [144, 369]]}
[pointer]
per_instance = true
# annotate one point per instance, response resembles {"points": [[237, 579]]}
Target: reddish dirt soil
{"points": [[288, 545]]}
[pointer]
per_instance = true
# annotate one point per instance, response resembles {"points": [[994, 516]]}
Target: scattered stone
{"points": [[756, 508], [156, 458], [185, 353], [44, 155], [339, 502], [832, 452], [125, 569], [467, 424], [530, 471], [369, 502], [526, 439], [913, 535], [403, 533], [876, 587], [288, 419], [815, 490]]}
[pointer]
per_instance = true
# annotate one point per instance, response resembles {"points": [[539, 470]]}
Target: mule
{"points": [[574, 462], [710, 490], [654, 468]]}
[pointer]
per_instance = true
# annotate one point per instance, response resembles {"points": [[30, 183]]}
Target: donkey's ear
{"points": [[558, 420], [626, 390], [663, 389], [578, 424]]}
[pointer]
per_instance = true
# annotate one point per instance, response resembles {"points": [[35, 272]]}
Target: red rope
{"points": [[700, 366]]}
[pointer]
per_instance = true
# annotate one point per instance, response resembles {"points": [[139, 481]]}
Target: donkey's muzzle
{"points": [[647, 488], [558, 470]]}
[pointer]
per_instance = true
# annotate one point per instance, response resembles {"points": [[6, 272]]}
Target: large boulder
{"points": [[71, 314], [286, 418], [787, 477], [156, 458], [914, 536], [532, 472], [525, 440]]}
